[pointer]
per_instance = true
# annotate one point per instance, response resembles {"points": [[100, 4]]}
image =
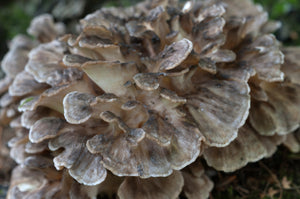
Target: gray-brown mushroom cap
{"points": [[174, 54], [15, 60], [219, 108], [164, 188], [291, 67], [45, 128], [77, 107], [249, 146], [83, 166], [197, 184], [45, 60], [23, 84], [44, 29]]}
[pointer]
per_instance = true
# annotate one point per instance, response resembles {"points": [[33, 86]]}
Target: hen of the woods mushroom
{"points": [[129, 106]]}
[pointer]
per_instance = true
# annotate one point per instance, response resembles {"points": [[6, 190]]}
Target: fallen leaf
{"points": [[272, 192], [286, 184]]}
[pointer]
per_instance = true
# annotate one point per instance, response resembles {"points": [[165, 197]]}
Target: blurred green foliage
{"points": [[279, 8], [288, 13], [120, 3], [14, 19]]}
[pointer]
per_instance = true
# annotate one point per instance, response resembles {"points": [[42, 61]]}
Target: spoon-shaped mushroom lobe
{"points": [[28, 118], [174, 54], [34, 148], [147, 81], [38, 161], [77, 107], [24, 84], [45, 128], [161, 187]]}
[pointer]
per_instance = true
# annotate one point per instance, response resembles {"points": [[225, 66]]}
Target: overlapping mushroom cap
{"points": [[18, 83], [134, 99]]}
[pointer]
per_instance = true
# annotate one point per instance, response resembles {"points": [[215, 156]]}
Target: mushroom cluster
{"points": [[129, 105]]}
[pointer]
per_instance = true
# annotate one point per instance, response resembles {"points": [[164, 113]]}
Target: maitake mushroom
{"points": [[127, 106]]}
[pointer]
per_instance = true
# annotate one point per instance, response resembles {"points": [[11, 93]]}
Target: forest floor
{"points": [[277, 177]]}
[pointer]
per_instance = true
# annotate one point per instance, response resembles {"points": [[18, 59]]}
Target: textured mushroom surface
{"points": [[128, 106]]}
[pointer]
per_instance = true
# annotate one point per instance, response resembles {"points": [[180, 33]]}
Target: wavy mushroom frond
{"points": [[249, 146], [16, 58], [164, 188], [83, 166]]}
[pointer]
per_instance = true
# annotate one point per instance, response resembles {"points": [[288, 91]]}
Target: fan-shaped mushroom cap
{"points": [[196, 184], [34, 148], [243, 21], [280, 114], [45, 64], [264, 58], [45, 128], [28, 118], [202, 27], [46, 182], [77, 107], [83, 166], [148, 158], [44, 29], [291, 66], [164, 188], [16, 58], [219, 108], [247, 147], [155, 148], [24, 84], [26, 183]]}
